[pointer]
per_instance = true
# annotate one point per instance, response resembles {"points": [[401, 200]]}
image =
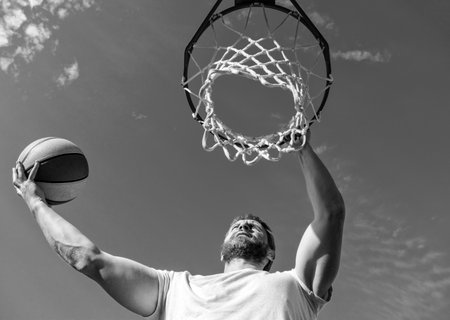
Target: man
{"points": [[244, 291]]}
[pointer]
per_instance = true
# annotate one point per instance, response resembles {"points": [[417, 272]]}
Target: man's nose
{"points": [[245, 227]]}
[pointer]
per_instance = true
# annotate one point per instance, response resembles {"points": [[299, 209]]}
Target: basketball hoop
{"points": [[285, 51]]}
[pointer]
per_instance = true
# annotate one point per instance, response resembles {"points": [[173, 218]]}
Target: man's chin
{"points": [[243, 247]]}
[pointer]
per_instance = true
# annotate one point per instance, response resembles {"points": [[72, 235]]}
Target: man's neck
{"points": [[240, 264]]}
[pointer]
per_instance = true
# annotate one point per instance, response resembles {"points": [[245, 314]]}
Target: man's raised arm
{"points": [[133, 285], [318, 254]]}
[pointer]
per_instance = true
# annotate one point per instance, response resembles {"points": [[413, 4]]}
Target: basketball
{"points": [[63, 168]]}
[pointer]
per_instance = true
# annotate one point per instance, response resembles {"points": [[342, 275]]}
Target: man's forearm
{"points": [[67, 241], [322, 190]]}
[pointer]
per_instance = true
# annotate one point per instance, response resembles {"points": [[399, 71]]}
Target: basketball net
{"points": [[272, 65]]}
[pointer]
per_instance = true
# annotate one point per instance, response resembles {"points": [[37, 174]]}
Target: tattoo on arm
{"points": [[76, 256]]}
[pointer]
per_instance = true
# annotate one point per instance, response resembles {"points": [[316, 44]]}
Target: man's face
{"points": [[245, 239]]}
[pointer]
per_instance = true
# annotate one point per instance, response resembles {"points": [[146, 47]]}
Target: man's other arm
{"points": [[131, 284], [318, 254]]}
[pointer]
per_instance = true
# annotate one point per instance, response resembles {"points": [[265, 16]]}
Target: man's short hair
{"points": [[270, 238]]}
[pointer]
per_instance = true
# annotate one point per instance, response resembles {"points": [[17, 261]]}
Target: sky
{"points": [[106, 75]]}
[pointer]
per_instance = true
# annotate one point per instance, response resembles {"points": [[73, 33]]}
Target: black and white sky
{"points": [[106, 75]]}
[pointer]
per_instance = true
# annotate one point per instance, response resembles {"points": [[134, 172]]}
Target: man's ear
{"points": [[271, 255]]}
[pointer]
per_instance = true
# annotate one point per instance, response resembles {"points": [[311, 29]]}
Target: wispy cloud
{"points": [[69, 74], [14, 18], [35, 36], [5, 63], [27, 26], [322, 20], [138, 116], [362, 55], [319, 19], [277, 116], [385, 261], [321, 149], [285, 3]]}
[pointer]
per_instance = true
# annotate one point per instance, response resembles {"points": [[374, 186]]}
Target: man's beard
{"points": [[244, 248]]}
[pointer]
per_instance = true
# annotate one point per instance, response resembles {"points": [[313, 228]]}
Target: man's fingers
{"points": [[20, 171], [14, 178], [15, 182], [308, 136], [34, 171], [14, 174]]}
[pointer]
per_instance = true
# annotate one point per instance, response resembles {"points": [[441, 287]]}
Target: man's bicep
{"points": [[133, 285], [318, 255]]}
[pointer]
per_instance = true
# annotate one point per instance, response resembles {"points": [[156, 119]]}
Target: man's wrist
{"points": [[306, 148], [33, 202]]}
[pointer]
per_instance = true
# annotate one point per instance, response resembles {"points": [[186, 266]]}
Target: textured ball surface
{"points": [[63, 168]]}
